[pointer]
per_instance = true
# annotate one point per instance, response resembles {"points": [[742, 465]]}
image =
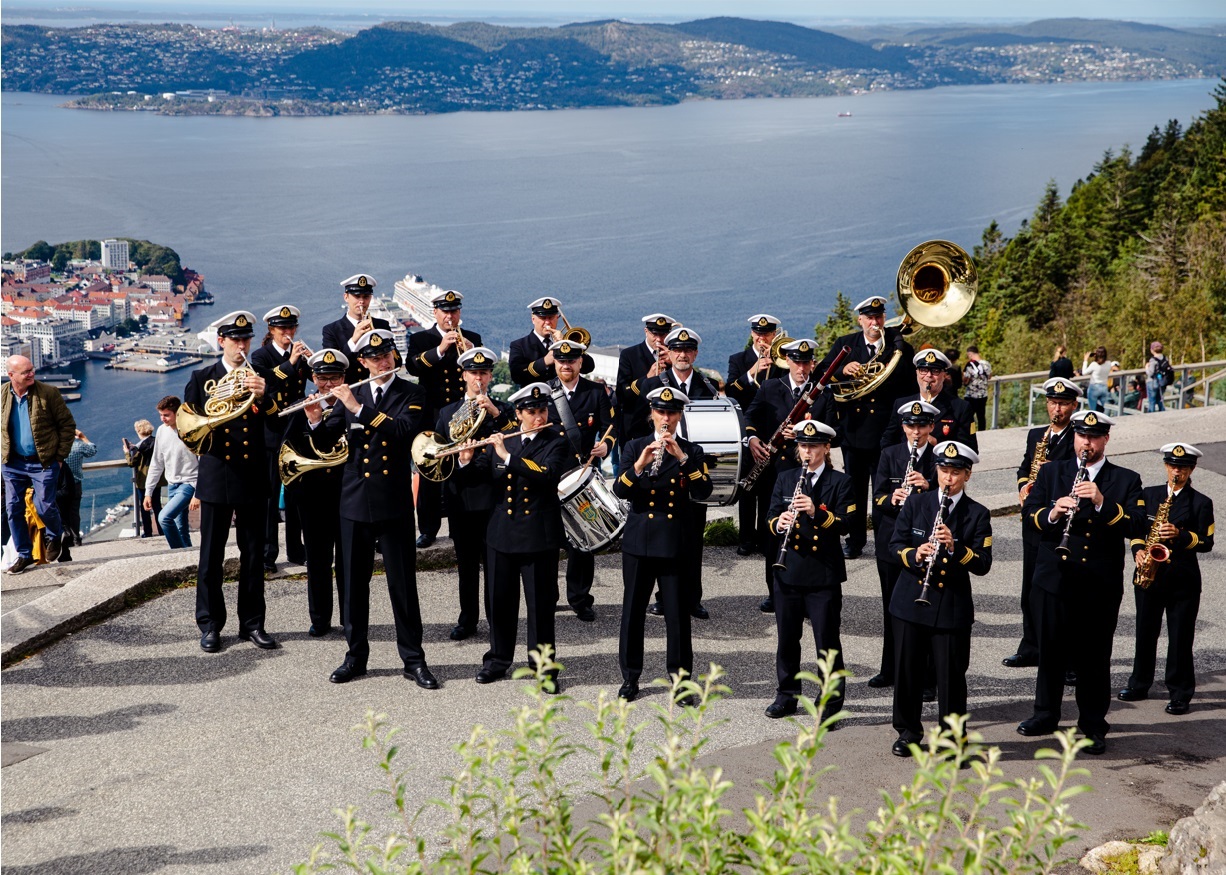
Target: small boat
{"points": [[844, 115]]}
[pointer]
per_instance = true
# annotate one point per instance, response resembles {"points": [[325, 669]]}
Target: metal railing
{"points": [[1011, 392]]}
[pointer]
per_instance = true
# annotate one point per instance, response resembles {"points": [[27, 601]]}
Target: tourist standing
{"points": [[38, 435], [179, 465], [1156, 369], [1061, 365], [976, 374], [137, 457], [1098, 371]]}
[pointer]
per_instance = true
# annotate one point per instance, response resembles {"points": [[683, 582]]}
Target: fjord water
{"points": [[710, 211]]}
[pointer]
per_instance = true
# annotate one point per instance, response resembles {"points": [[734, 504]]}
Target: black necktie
{"points": [[795, 393], [378, 395], [812, 482], [914, 459]]}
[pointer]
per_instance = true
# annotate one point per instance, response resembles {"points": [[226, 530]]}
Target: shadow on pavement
{"points": [[137, 861], [61, 726]]}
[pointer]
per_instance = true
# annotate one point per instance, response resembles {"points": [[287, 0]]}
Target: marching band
{"points": [[372, 452]]}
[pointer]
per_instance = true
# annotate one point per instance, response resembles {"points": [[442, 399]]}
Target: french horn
{"points": [[292, 464], [229, 398], [428, 447]]}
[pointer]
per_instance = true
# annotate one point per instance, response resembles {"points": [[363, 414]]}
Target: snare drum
{"points": [[716, 425], [591, 514]]}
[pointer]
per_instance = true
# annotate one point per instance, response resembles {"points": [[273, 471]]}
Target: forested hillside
{"points": [[1135, 253]]}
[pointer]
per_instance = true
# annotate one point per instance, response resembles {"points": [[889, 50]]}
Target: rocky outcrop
{"points": [[1198, 843]]}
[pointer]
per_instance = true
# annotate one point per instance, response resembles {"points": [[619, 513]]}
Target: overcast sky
{"points": [[791, 10]]}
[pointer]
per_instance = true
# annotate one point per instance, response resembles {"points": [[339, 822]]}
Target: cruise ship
{"points": [[412, 295]]}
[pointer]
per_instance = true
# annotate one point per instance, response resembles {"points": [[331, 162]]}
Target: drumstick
{"points": [[591, 458]]}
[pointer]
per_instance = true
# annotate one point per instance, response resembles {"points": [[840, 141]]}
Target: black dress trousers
{"points": [[394, 538], [539, 572], [249, 533], [918, 646]]}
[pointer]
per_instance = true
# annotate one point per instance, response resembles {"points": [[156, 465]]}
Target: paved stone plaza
{"points": [[128, 750]]}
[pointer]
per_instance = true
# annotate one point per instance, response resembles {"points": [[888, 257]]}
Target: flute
{"points": [[307, 402], [451, 451]]}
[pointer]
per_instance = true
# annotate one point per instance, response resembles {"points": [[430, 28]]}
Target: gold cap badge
{"points": [[684, 335], [666, 395], [877, 302], [804, 346], [1178, 451], [547, 304], [660, 320], [450, 297], [917, 408], [241, 321], [951, 451], [479, 358], [362, 282], [930, 359], [1059, 387], [285, 313], [377, 340], [329, 357], [763, 322], [1090, 419], [564, 348]]}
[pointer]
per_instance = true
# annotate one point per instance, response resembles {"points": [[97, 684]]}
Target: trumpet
{"points": [[307, 402]]}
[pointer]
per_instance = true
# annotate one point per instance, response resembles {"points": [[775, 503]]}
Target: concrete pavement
{"points": [[127, 749]]}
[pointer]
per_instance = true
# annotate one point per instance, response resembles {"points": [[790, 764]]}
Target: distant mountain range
{"points": [[414, 67]]}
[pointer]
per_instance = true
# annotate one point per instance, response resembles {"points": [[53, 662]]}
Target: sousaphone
{"points": [[936, 287]]}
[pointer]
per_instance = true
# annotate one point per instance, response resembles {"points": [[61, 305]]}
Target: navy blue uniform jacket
{"points": [[814, 553]]}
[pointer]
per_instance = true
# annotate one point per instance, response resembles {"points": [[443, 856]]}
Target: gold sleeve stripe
{"points": [[697, 475], [415, 407], [1022, 481], [773, 525], [881, 500], [1119, 516], [970, 554], [830, 518], [1137, 542], [379, 420], [533, 465], [1209, 532], [422, 358], [1140, 502], [1195, 539], [277, 371], [737, 384], [1037, 524], [974, 426], [624, 479], [532, 369], [902, 554], [987, 542], [851, 508]]}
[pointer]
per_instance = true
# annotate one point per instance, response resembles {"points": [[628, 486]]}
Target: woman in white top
{"points": [[171, 456], [1098, 371]]}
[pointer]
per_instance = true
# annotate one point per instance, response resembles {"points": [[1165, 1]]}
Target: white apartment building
{"points": [[115, 254]]}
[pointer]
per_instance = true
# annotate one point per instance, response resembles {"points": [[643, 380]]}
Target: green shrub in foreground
{"points": [[510, 812]]}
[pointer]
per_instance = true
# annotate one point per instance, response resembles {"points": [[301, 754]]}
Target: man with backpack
{"points": [[1158, 375]]}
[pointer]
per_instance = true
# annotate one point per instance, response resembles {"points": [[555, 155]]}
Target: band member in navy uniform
{"points": [[956, 420], [771, 406], [287, 359], [637, 363], [934, 623], [587, 407], [434, 359], [893, 486], [808, 511], [525, 531], [1075, 600], [863, 420], [381, 418], [468, 498], [1056, 441], [1176, 586], [232, 483], [345, 332], [316, 494], [747, 370], [682, 345], [662, 478], [531, 358]]}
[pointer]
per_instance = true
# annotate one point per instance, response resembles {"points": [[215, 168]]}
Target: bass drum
{"points": [[592, 515], [716, 425]]}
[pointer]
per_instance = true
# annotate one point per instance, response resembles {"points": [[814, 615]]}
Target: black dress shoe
{"points": [[488, 676], [318, 631], [210, 642], [655, 610], [1098, 745], [878, 681], [22, 563], [554, 687], [767, 605], [743, 550], [628, 691], [347, 671], [295, 559], [1128, 694], [900, 748], [688, 701], [1018, 661], [422, 676], [259, 638], [424, 541], [781, 707], [586, 614], [1070, 678], [270, 567], [930, 694], [459, 633], [700, 612], [850, 552], [1034, 726], [51, 548], [1177, 707]]}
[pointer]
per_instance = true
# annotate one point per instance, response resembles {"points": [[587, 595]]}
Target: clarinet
{"points": [[910, 467], [1063, 550], [942, 509], [781, 560]]}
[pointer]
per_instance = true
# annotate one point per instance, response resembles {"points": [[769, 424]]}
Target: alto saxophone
{"points": [[1154, 552], [1040, 456]]}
